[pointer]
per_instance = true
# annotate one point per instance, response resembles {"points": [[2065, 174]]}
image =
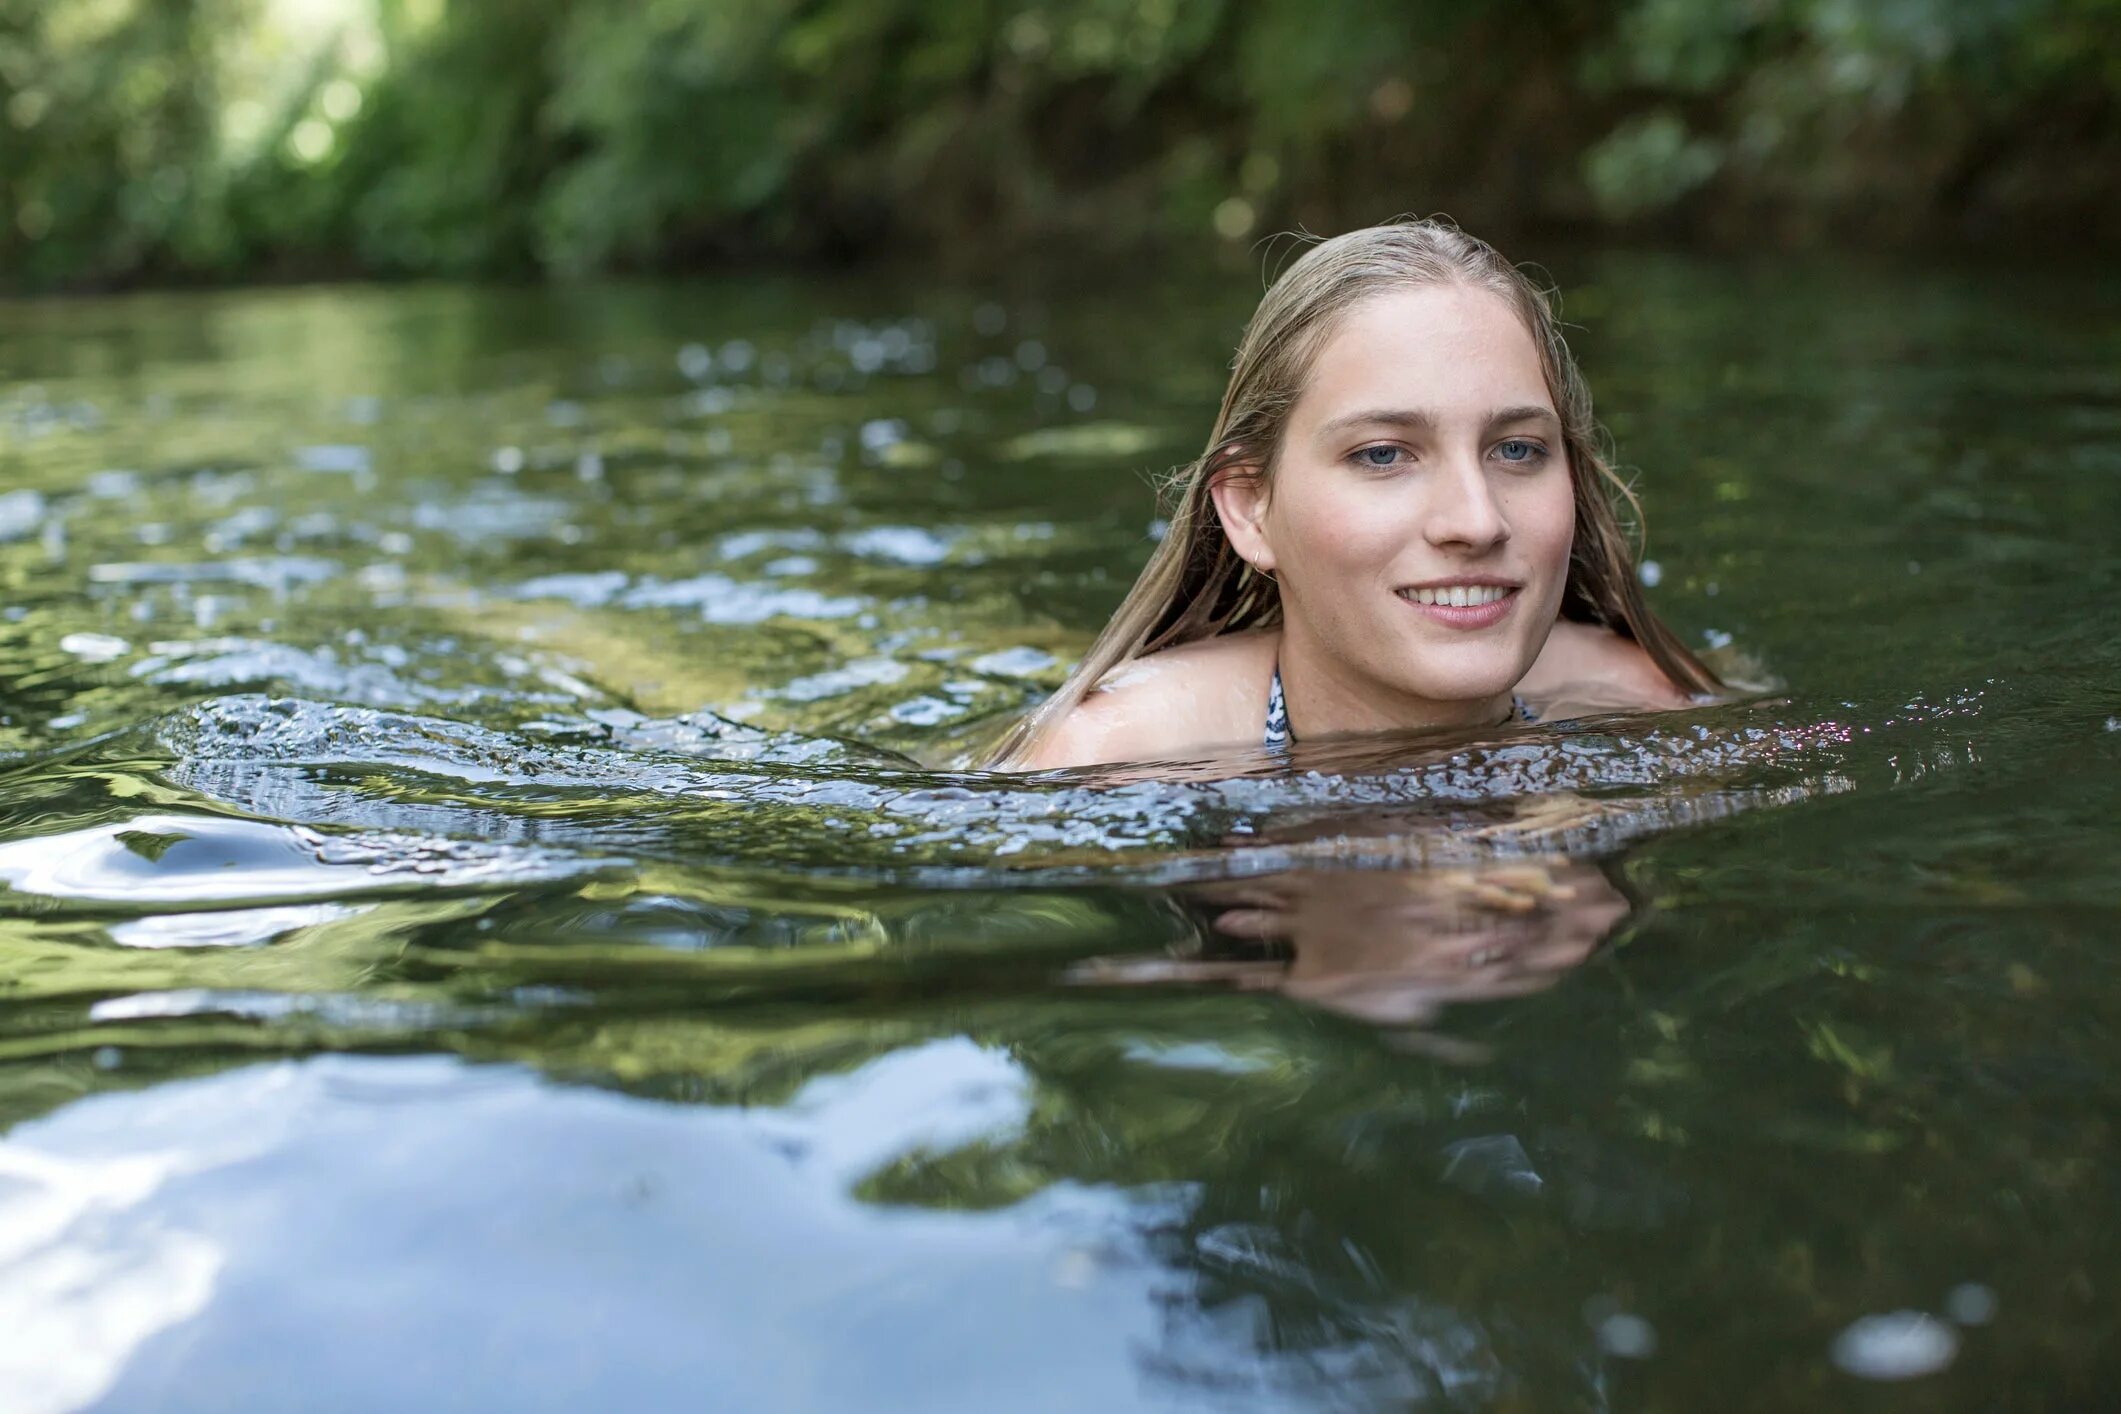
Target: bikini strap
{"points": [[1277, 714], [1277, 733]]}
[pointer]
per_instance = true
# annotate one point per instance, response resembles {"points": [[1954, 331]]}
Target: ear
{"points": [[1240, 493]]}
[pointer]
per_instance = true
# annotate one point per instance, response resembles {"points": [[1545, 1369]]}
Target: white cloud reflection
{"points": [[516, 1244]]}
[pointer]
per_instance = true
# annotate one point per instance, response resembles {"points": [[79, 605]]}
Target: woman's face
{"points": [[1420, 512]]}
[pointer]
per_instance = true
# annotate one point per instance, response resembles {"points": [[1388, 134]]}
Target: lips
{"points": [[1462, 605]]}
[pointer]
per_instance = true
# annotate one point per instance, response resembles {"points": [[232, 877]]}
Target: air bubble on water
{"points": [[1628, 1336], [1970, 1304], [1900, 1345]]}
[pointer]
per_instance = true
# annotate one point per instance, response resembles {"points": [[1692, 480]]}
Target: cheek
{"points": [[1544, 524], [1339, 523]]}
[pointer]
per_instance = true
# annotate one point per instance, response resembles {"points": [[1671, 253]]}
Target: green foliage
{"points": [[1884, 118], [150, 138], [1649, 163], [105, 118], [681, 117], [445, 167]]}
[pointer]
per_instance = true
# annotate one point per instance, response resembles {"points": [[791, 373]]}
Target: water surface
{"points": [[487, 916]]}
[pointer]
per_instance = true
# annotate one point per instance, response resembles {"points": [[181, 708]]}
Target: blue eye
{"points": [[1518, 450], [1368, 456]]}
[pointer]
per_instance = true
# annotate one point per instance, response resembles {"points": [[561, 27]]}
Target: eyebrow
{"points": [[1425, 421]]}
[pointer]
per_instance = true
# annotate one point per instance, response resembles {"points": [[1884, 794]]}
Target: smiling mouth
{"points": [[1458, 596]]}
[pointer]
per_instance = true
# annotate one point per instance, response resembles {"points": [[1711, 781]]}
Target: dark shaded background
{"points": [[247, 139]]}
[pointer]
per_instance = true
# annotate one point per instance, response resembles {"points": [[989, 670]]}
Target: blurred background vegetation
{"points": [[239, 139]]}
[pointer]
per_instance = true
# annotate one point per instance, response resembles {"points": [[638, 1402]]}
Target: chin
{"points": [[1463, 681], [1483, 694]]}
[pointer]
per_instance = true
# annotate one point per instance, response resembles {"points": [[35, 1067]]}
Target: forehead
{"points": [[1440, 348]]}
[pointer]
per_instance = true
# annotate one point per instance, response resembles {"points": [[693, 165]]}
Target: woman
{"points": [[1402, 520]]}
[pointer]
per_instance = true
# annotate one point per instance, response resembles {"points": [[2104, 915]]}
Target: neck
{"points": [[1325, 697]]}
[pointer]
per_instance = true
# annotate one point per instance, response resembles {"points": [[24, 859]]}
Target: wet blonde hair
{"points": [[1196, 585]]}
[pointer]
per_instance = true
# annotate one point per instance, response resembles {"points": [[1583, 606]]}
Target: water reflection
{"points": [[599, 1246], [561, 688], [1391, 947]]}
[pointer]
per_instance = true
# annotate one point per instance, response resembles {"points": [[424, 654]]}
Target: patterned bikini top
{"points": [[1278, 737]]}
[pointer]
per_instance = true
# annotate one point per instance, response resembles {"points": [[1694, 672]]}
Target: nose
{"points": [[1463, 513]]}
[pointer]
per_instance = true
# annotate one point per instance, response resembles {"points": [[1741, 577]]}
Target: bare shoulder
{"points": [[1591, 664], [1204, 694]]}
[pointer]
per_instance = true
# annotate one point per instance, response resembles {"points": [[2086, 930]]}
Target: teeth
{"points": [[1457, 595]]}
